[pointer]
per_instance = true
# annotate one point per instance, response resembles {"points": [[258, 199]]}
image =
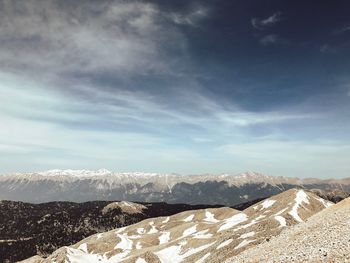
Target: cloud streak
{"points": [[264, 23], [65, 132]]}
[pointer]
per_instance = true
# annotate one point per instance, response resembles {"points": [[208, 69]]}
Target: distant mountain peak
{"points": [[77, 173], [251, 174]]}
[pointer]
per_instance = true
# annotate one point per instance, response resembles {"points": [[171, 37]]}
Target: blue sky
{"points": [[176, 86]]}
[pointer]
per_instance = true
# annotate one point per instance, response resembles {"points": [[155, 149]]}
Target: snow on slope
{"points": [[212, 234], [168, 178], [85, 185], [324, 237]]}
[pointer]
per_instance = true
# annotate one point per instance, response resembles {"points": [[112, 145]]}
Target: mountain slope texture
{"points": [[206, 235], [31, 229], [325, 237]]}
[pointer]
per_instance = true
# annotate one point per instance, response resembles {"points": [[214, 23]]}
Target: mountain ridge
{"points": [[85, 185], [205, 235], [28, 229], [243, 177]]}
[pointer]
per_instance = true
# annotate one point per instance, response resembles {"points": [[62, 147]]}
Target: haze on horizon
{"points": [[180, 86]]}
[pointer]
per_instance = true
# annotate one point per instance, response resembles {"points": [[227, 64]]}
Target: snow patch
{"points": [[174, 253], [232, 221], [225, 243], [301, 197], [125, 243], [324, 202], [153, 229], [202, 234], [260, 217], [244, 243], [140, 230], [282, 211], [138, 245], [190, 231], [164, 238], [202, 260], [77, 255], [83, 247], [267, 203], [189, 218], [281, 220], [246, 235], [209, 217], [166, 220], [120, 230]]}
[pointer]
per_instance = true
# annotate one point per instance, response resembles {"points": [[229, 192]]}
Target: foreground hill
{"points": [[206, 235], [325, 237], [30, 229], [83, 185]]}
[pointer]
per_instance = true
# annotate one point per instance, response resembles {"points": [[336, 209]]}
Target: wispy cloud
{"points": [[45, 129], [190, 18], [342, 30], [117, 84], [55, 39], [269, 40], [264, 23]]}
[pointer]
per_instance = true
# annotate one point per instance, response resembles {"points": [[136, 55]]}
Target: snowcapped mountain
{"points": [[85, 185], [205, 235], [75, 173]]}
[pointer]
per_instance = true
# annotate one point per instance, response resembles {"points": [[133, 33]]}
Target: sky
{"points": [[185, 86]]}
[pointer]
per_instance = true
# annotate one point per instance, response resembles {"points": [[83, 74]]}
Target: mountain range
{"points": [[85, 185]]}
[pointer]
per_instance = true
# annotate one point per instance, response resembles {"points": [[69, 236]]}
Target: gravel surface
{"points": [[325, 237]]}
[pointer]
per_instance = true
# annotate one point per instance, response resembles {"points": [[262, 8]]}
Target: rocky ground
{"points": [[333, 195], [205, 235], [325, 237]]}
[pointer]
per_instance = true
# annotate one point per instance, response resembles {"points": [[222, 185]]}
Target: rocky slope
{"points": [[323, 238], [334, 195], [30, 229], [83, 185], [206, 235]]}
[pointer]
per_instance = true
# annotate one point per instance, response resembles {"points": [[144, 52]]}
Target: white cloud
{"points": [[191, 18], [38, 132], [267, 22], [51, 38], [41, 126]]}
